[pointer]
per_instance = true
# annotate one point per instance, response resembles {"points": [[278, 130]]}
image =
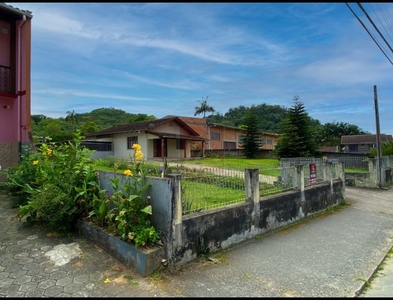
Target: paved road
{"points": [[327, 256]]}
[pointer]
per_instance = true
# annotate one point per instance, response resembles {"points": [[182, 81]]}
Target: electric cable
{"points": [[376, 28], [360, 21]]}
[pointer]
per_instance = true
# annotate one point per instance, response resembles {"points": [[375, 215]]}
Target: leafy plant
{"points": [[57, 183], [129, 216]]}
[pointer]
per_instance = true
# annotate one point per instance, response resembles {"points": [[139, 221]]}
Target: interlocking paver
{"points": [[46, 284], [23, 279], [28, 286], [6, 282], [18, 274], [53, 291], [40, 277], [58, 274], [72, 288], [36, 293]]}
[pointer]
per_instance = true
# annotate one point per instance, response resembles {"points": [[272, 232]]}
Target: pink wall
{"points": [[15, 109], [5, 43]]}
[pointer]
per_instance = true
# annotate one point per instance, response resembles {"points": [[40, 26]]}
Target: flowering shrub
{"points": [[48, 181], [128, 216], [59, 185]]}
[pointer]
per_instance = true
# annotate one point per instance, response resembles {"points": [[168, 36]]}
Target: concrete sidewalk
{"points": [[332, 255]]}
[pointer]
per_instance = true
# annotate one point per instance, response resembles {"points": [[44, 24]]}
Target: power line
{"points": [[387, 18], [376, 28], [368, 32]]}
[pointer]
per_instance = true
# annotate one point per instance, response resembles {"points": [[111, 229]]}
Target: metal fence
{"points": [[206, 188]]}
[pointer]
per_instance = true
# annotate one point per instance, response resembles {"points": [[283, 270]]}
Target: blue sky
{"points": [[162, 58]]}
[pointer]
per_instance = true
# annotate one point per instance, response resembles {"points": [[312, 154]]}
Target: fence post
{"points": [[299, 177], [329, 173], [251, 177], [285, 169], [324, 171], [174, 235], [372, 168]]}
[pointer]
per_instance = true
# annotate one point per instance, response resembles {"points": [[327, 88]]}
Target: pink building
{"points": [[15, 95]]}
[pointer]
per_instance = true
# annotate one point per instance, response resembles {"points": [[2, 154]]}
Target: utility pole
{"points": [[379, 152]]}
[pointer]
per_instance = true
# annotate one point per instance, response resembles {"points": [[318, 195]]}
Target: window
{"points": [[353, 148], [215, 136], [269, 142], [180, 144], [131, 141], [229, 145]]}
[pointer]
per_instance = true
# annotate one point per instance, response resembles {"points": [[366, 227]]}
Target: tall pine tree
{"points": [[298, 137], [251, 140]]}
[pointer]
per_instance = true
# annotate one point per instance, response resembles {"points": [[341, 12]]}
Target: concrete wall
{"points": [[226, 226], [372, 179]]}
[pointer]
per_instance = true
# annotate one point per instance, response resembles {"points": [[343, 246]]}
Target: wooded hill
{"points": [[269, 116]]}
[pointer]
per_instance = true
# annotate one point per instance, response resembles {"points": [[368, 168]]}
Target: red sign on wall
{"points": [[313, 173]]}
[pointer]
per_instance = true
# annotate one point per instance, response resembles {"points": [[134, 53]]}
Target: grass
{"points": [[348, 170], [266, 166], [204, 195]]}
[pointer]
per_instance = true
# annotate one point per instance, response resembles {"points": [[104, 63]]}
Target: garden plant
{"points": [[57, 185]]}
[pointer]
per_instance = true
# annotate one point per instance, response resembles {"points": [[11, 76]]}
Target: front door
{"points": [[160, 148]]}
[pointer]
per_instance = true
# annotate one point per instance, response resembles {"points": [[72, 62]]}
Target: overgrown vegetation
{"points": [[386, 149], [58, 185]]}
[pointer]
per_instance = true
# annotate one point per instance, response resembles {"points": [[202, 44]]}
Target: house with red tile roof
{"points": [[174, 137]]}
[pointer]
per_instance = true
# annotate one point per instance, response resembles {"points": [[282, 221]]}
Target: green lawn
{"points": [[266, 166]]}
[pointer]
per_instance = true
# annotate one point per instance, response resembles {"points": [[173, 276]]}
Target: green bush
{"points": [[48, 181], [59, 184]]}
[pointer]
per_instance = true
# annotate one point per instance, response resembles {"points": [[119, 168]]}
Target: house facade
{"points": [[172, 137], [223, 137], [363, 143], [168, 137], [15, 94]]}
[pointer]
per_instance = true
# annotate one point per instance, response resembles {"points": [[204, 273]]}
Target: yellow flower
{"points": [[127, 172], [139, 155], [107, 280], [35, 162], [49, 151], [136, 147]]}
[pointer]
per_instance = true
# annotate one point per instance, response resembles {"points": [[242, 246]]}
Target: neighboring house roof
{"points": [[364, 139], [148, 126], [329, 149], [199, 125], [16, 11]]}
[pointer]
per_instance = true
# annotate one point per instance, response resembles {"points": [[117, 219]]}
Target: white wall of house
{"points": [[120, 148]]}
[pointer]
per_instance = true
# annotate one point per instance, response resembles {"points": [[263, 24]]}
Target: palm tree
{"points": [[71, 118], [203, 108]]}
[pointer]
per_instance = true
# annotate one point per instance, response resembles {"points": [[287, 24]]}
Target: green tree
{"points": [[251, 140], [330, 133], [89, 127], [204, 108], [55, 129], [386, 148], [141, 118], [298, 136], [37, 118]]}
